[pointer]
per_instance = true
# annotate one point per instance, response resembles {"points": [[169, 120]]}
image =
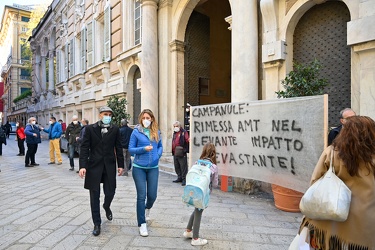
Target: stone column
{"points": [[149, 57], [43, 76], [244, 51], [37, 81], [51, 74]]}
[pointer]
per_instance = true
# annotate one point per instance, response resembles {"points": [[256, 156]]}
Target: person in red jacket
{"points": [[20, 133]]}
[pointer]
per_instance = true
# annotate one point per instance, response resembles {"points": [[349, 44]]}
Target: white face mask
{"points": [[50, 122], [33, 122], [75, 122], [146, 123], [176, 129]]}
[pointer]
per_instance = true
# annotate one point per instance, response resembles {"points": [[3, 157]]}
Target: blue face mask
{"points": [[106, 119]]}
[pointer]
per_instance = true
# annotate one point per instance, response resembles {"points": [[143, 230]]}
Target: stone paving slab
{"points": [[46, 207]]}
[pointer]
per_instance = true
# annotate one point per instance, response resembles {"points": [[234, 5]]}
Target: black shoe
{"points": [[28, 166], [71, 168], [50, 163], [34, 164], [20, 155], [183, 183], [77, 171], [108, 213], [178, 180], [96, 230]]}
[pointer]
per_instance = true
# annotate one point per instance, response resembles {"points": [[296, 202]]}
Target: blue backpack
{"points": [[197, 189]]}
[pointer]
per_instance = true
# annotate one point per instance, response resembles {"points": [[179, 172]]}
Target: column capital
{"points": [[148, 2], [177, 45]]}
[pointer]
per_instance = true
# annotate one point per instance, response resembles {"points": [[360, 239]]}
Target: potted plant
{"points": [[303, 80]]}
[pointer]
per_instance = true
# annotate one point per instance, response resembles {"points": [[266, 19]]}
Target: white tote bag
{"points": [[327, 199], [299, 242]]}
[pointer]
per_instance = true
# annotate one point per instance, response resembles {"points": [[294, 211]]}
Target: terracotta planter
{"points": [[286, 199]]}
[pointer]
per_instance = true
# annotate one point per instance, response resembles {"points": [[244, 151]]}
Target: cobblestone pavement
{"points": [[46, 207]]}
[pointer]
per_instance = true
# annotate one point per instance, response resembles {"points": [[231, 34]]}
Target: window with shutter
{"points": [[71, 58], [137, 22], [83, 50], [90, 47], [107, 33], [66, 62], [58, 66]]}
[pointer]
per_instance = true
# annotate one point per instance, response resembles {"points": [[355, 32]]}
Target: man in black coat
{"points": [[126, 132], [100, 149]]}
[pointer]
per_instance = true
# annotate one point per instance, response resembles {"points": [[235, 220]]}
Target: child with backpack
{"points": [[192, 229]]}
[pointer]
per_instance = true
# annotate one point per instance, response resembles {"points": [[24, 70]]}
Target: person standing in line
{"points": [[354, 163], [126, 132], [180, 147], [84, 123], [54, 133], [63, 125], [3, 139], [146, 146], [20, 133], [192, 229], [32, 132], [72, 135], [100, 149], [345, 113]]}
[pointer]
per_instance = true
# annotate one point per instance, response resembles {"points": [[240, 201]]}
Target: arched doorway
{"points": [[136, 96], [321, 33], [208, 54]]}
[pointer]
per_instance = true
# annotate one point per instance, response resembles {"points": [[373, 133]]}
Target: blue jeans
{"points": [[71, 154], [146, 184]]}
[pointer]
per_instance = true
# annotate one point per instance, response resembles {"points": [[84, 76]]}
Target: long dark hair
{"points": [[209, 152], [356, 143]]}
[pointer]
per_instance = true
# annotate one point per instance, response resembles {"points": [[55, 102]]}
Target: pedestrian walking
{"points": [[32, 132], [126, 132], [84, 123], [7, 128], [192, 229], [180, 148], [354, 163], [100, 150], [146, 146], [54, 133], [20, 134], [3, 139], [72, 135]]}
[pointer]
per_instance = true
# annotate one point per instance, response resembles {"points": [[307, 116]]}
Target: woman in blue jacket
{"points": [[146, 147]]}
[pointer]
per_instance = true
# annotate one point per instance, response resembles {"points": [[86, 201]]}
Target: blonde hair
{"points": [[209, 152], [154, 127]]}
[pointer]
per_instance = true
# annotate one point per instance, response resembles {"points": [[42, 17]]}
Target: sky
{"points": [[21, 2]]}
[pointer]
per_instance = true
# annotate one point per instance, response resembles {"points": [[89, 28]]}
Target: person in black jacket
{"points": [[32, 132], [72, 135], [126, 132], [180, 146], [100, 149], [3, 139]]}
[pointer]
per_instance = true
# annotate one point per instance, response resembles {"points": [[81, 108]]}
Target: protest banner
{"points": [[275, 141]]}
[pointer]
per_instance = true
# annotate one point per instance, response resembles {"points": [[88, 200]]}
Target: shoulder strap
{"points": [[331, 167]]}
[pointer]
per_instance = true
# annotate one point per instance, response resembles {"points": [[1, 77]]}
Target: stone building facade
{"points": [[166, 54], [16, 78]]}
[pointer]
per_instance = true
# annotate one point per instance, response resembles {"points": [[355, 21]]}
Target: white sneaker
{"points": [[198, 242], [188, 235], [143, 230], [147, 214]]}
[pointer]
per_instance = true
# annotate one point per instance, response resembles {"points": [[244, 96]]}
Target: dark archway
{"points": [[322, 34], [136, 96]]}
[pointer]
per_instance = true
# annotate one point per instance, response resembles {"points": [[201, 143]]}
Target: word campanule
{"points": [[235, 109]]}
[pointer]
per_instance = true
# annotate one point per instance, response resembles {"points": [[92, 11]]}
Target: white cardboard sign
{"points": [[275, 141]]}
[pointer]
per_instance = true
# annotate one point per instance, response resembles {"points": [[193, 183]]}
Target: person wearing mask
{"points": [[354, 163], [100, 150], [146, 146], [180, 146], [72, 135], [54, 133], [126, 132], [345, 113], [20, 133], [32, 132]]}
